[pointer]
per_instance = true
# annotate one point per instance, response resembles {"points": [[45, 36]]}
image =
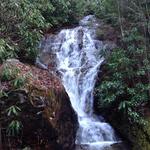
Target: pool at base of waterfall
{"points": [[102, 146]]}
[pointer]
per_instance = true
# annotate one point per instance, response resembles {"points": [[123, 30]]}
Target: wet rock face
{"points": [[137, 135], [118, 146], [46, 58], [48, 119], [63, 118]]}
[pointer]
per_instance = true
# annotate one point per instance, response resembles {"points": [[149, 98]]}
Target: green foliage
{"points": [[9, 73], [21, 25], [14, 128], [23, 22], [84, 7], [125, 85], [107, 10], [13, 110], [3, 94], [63, 12], [19, 82], [6, 50]]}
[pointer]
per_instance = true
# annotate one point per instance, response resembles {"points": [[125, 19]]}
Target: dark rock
{"points": [[137, 135], [49, 122], [82, 147], [116, 146], [63, 119]]}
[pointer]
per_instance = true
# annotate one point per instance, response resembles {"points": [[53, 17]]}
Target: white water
{"points": [[78, 56]]}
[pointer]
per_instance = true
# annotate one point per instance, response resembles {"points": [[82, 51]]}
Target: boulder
{"points": [[49, 122], [137, 135]]}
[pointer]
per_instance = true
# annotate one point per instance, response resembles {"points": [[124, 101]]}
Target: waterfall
{"points": [[77, 53]]}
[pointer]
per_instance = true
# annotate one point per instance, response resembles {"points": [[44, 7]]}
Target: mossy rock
{"points": [[138, 136], [42, 98]]}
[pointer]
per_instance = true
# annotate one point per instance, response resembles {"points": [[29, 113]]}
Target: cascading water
{"points": [[78, 60]]}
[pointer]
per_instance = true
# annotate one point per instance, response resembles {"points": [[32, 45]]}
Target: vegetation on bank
{"points": [[23, 22], [125, 84], [24, 90]]}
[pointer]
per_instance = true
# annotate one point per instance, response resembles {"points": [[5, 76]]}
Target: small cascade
{"points": [[77, 53]]}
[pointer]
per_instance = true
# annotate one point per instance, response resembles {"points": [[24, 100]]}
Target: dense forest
{"points": [[124, 84]]}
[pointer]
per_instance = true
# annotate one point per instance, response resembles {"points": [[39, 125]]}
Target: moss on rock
{"points": [[46, 111], [138, 136]]}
